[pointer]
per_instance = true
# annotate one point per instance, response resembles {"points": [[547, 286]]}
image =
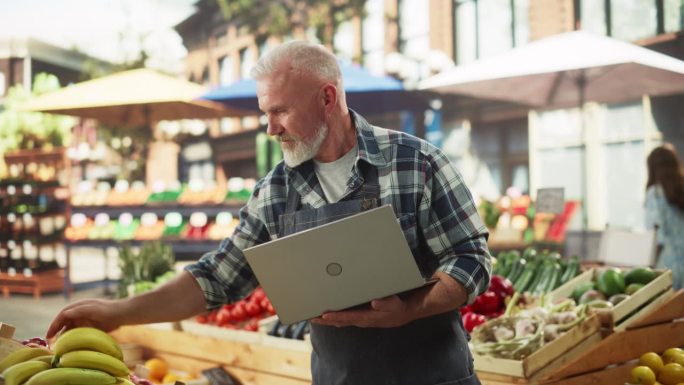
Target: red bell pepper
{"points": [[501, 286], [487, 303], [471, 320]]}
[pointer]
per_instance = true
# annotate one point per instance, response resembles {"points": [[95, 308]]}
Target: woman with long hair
{"points": [[665, 208]]}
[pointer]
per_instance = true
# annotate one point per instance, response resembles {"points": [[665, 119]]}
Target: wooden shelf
{"points": [[43, 282], [160, 208]]}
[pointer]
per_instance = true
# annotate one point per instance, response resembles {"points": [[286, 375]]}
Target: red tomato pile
{"points": [[244, 314], [490, 304]]}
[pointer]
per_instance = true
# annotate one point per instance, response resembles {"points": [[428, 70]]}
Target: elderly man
{"points": [[335, 165]]}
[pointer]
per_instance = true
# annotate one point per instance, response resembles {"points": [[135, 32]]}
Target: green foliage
{"points": [[152, 262], [29, 130], [279, 18]]}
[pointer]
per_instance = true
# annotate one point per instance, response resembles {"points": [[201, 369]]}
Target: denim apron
{"points": [[428, 351]]}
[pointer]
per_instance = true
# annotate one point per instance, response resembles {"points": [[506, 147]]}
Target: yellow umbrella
{"points": [[132, 98]]}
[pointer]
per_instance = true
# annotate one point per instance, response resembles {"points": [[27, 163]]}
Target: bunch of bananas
{"points": [[80, 356]]}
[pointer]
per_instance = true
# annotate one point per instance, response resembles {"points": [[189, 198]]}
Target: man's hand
{"points": [[97, 313], [445, 295], [387, 312], [182, 292]]}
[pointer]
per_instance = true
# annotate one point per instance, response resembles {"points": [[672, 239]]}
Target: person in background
{"points": [[336, 164], [665, 209]]}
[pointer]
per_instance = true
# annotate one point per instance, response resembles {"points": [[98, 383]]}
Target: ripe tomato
{"points": [[258, 294], [224, 316], [238, 312], [252, 309]]}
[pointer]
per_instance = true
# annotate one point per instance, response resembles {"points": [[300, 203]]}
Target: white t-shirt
{"points": [[334, 175]]}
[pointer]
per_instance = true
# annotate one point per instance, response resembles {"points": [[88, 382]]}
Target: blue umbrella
{"points": [[366, 93]]}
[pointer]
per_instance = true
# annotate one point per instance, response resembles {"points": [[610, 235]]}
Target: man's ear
{"points": [[329, 97]]}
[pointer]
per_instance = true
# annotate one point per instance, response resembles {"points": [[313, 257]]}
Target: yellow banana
{"points": [[86, 338], [88, 359], [47, 359], [22, 355], [71, 376], [123, 381], [18, 373]]}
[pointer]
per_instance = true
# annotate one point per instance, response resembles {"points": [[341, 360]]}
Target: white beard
{"points": [[303, 150]]}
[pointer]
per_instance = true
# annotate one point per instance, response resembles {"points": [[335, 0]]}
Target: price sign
{"points": [[551, 200], [218, 376]]}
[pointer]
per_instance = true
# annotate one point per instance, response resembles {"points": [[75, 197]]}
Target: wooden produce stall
{"points": [[258, 362], [651, 320], [600, 350]]}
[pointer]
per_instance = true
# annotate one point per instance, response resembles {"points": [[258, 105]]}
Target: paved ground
{"points": [[31, 317]]}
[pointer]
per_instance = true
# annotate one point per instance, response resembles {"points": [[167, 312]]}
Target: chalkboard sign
{"points": [[218, 376], [550, 200]]}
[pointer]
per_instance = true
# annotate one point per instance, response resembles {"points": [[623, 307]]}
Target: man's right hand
{"points": [[183, 292], [103, 314]]}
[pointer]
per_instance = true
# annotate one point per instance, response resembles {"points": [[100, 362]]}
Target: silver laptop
{"points": [[336, 266]]}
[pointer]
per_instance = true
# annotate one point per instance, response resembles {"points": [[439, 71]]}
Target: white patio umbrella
{"points": [[565, 70]]}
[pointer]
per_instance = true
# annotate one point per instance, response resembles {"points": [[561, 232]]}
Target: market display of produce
{"points": [[82, 356], [78, 356], [536, 272], [124, 193], [244, 314], [666, 368]]}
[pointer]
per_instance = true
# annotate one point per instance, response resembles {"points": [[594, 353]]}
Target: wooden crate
{"points": [[621, 347], [7, 343], [206, 330], [530, 365], [259, 337], [257, 363], [621, 312], [607, 357], [565, 290]]}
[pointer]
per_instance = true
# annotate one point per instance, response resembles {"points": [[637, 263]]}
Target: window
{"points": [[373, 37], [623, 133], [521, 23], [488, 27], [466, 31], [624, 122], [343, 41], [494, 30], [593, 17], [246, 62], [633, 19], [414, 28], [625, 183], [674, 15], [226, 74], [559, 128]]}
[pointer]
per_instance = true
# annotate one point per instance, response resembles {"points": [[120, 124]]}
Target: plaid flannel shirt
{"points": [[415, 177]]}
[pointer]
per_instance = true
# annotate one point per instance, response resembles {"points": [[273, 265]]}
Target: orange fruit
{"points": [[671, 374], [652, 360], [643, 375], [158, 368], [670, 354]]}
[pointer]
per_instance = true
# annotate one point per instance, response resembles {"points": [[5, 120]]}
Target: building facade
{"points": [[23, 58], [495, 145]]}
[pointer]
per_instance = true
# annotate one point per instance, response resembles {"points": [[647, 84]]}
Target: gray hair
{"points": [[303, 58]]}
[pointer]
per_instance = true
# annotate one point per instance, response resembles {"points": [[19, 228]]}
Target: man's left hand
{"points": [[387, 312]]}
